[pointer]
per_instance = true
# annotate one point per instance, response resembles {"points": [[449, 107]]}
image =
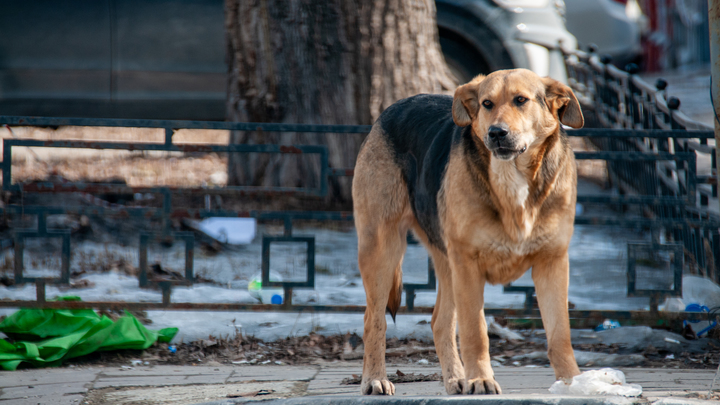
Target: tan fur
{"points": [[499, 216], [382, 217]]}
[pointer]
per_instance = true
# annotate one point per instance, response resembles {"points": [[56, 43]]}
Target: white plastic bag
{"points": [[606, 381]]}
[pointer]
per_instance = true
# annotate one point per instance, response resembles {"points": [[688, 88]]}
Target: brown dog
{"points": [[489, 198]]}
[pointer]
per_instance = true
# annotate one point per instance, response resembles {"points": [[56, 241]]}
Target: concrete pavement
{"points": [[320, 383]]}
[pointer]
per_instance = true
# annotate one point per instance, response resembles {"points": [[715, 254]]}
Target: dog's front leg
{"points": [[444, 326], [551, 278], [468, 288]]}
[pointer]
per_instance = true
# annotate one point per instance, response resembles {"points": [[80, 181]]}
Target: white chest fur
{"points": [[508, 182], [512, 189]]}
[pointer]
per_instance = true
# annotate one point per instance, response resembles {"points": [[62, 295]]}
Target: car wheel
{"points": [[462, 60]]}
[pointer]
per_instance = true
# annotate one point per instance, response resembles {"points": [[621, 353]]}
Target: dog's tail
{"points": [[395, 293]]}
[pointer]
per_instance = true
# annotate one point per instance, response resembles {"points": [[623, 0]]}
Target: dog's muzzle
{"points": [[501, 146]]}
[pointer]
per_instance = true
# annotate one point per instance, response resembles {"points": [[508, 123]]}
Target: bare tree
{"points": [[323, 62]]}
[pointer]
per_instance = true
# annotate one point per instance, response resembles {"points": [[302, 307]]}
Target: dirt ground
{"points": [[310, 349]]}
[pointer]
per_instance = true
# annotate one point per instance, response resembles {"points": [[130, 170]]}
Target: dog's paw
{"points": [[480, 386], [378, 387], [454, 386]]}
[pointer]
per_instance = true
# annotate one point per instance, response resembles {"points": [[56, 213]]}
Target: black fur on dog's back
{"points": [[420, 132]]}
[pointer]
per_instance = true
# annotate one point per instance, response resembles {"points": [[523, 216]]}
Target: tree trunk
{"points": [[323, 62]]}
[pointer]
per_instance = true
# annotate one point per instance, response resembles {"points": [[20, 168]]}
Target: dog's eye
{"points": [[520, 100], [487, 104]]}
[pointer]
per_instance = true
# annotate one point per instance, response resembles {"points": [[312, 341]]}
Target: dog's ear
{"points": [[561, 99], [465, 103]]}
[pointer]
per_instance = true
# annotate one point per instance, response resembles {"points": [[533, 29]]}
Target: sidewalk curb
{"points": [[442, 400]]}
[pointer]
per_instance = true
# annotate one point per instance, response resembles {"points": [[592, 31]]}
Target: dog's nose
{"points": [[497, 132]]}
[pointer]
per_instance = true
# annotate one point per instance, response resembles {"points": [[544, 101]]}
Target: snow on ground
{"points": [[597, 263]]}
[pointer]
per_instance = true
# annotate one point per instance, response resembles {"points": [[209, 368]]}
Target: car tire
{"points": [[464, 62]]}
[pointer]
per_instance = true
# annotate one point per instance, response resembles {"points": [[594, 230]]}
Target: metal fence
{"points": [[683, 162], [621, 100]]}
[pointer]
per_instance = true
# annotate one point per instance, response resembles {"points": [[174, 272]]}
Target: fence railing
{"points": [[622, 100], [683, 161]]}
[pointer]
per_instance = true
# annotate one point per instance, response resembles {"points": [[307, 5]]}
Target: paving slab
{"points": [[167, 370], [338, 391], [447, 400], [46, 376], [54, 400], [687, 377], [425, 388], [657, 383], [208, 379], [681, 401], [150, 381], [195, 393], [273, 373], [46, 391]]}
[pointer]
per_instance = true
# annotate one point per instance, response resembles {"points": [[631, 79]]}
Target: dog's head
{"points": [[512, 111]]}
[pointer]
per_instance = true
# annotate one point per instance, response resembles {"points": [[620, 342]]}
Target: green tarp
{"points": [[47, 337]]}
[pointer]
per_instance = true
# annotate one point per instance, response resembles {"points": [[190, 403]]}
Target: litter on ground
{"points": [[606, 381], [48, 337]]}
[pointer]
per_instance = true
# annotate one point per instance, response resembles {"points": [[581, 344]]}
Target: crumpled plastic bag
{"points": [[606, 381], [47, 337]]}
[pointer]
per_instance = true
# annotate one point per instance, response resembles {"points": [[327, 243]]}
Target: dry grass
{"points": [[119, 134], [137, 169]]}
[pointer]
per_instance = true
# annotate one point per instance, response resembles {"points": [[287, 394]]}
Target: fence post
{"points": [[714, 21]]}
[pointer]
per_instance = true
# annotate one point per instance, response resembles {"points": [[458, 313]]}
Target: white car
{"points": [[614, 26], [481, 36]]}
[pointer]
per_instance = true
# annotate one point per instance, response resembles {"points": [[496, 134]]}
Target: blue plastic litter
{"points": [[699, 308], [607, 324], [276, 299]]}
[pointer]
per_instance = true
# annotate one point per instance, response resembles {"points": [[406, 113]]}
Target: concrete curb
{"points": [[445, 400]]}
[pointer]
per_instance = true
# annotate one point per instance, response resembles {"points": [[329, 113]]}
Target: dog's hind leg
{"points": [[444, 319], [380, 259], [380, 203]]}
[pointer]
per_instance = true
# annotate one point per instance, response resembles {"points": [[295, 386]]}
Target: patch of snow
{"points": [[700, 290]]}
